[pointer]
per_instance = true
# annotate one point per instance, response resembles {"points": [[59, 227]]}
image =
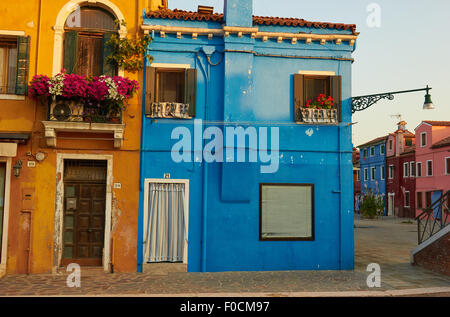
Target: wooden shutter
{"points": [[336, 93], [70, 51], [190, 92], [108, 69], [150, 88], [299, 99], [23, 57]]}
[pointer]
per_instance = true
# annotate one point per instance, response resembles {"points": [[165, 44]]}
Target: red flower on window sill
{"points": [[321, 102]]}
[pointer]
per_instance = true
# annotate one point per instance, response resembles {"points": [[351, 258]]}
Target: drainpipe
{"points": [[140, 256], [204, 175]]}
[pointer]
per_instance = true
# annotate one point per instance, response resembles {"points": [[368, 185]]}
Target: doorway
{"points": [[84, 207], [165, 232], [391, 197], [2, 201]]}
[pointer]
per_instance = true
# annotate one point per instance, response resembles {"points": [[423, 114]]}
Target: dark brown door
{"points": [[84, 223]]}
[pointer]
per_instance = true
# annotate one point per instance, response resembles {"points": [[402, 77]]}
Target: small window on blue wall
{"points": [[170, 93], [286, 212], [317, 99]]}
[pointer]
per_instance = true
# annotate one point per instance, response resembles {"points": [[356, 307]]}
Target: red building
{"points": [[401, 173], [356, 180]]}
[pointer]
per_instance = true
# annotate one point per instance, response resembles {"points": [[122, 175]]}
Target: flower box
{"points": [[168, 110], [308, 115], [77, 98]]}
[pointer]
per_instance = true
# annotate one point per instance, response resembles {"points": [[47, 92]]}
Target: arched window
{"points": [[87, 30]]}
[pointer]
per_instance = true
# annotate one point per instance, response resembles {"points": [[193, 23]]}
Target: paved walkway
{"points": [[387, 242]]}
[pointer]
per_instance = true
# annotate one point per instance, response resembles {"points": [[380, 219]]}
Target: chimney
{"points": [[238, 13], [155, 5], [205, 9], [402, 125]]}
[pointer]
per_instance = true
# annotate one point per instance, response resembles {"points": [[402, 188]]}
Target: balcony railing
{"points": [[168, 110], [433, 218], [80, 111], [317, 116]]}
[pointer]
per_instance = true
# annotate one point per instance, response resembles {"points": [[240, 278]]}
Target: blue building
{"points": [[373, 167], [240, 169]]}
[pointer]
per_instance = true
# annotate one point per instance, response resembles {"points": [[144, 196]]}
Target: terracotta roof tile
{"points": [[441, 143], [377, 140], [259, 20], [439, 123]]}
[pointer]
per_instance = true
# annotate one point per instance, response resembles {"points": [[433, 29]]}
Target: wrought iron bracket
{"points": [[361, 103]]}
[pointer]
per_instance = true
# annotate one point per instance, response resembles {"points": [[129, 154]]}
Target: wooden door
{"points": [[84, 223]]}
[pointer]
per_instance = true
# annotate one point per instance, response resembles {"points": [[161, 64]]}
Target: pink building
{"points": [[432, 162]]}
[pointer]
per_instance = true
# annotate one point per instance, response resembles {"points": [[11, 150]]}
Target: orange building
{"points": [[68, 181]]}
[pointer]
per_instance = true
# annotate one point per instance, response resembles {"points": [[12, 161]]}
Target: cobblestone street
{"points": [[387, 242]]}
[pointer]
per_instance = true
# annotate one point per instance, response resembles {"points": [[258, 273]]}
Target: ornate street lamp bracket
{"points": [[361, 103]]}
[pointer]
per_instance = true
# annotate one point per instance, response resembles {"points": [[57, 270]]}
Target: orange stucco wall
{"points": [[37, 228]]}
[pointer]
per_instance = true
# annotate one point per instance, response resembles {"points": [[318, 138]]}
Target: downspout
{"points": [[204, 175], [139, 250]]}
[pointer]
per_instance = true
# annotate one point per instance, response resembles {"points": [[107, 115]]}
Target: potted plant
{"points": [[88, 99], [319, 110]]}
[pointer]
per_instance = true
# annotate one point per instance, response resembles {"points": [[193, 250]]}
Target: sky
{"points": [[409, 50]]}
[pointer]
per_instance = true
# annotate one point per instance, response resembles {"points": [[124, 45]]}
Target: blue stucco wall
{"points": [[224, 197]]}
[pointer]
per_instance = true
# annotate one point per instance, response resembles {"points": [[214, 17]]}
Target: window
{"points": [[85, 50], [412, 171], [14, 62], [390, 145], [391, 171], [408, 142], [171, 92], [423, 139], [405, 170], [372, 151], [383, 173], [447, 166], [407, 202], [419, 169], [373, 170], [358, 175], [419, 200], [383, 149], [365, 153], [429, 168], [170, 85], [287, 212], [309, 87], [366, 174], [428, 198]]}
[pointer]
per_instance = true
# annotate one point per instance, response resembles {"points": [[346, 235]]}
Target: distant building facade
{"points": [[373, 167], [432, 162], [356, 180], [400, 164]]}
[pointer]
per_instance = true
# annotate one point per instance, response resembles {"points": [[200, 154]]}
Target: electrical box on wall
{"points": [[27, 199]]}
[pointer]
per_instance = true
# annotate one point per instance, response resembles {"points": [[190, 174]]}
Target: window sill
{"points": [[11, 97]]}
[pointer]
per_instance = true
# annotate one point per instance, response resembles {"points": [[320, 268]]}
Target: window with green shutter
{"points": [[14, 65], [86, 37]]}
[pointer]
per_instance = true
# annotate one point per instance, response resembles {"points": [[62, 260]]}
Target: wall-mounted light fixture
{"points": [[17, 167]]}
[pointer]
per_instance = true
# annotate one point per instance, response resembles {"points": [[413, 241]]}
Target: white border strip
{"points": [[4, 238], [12, 33]]}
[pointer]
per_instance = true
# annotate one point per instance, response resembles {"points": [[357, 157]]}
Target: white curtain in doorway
{"points": [[165, 230]]}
